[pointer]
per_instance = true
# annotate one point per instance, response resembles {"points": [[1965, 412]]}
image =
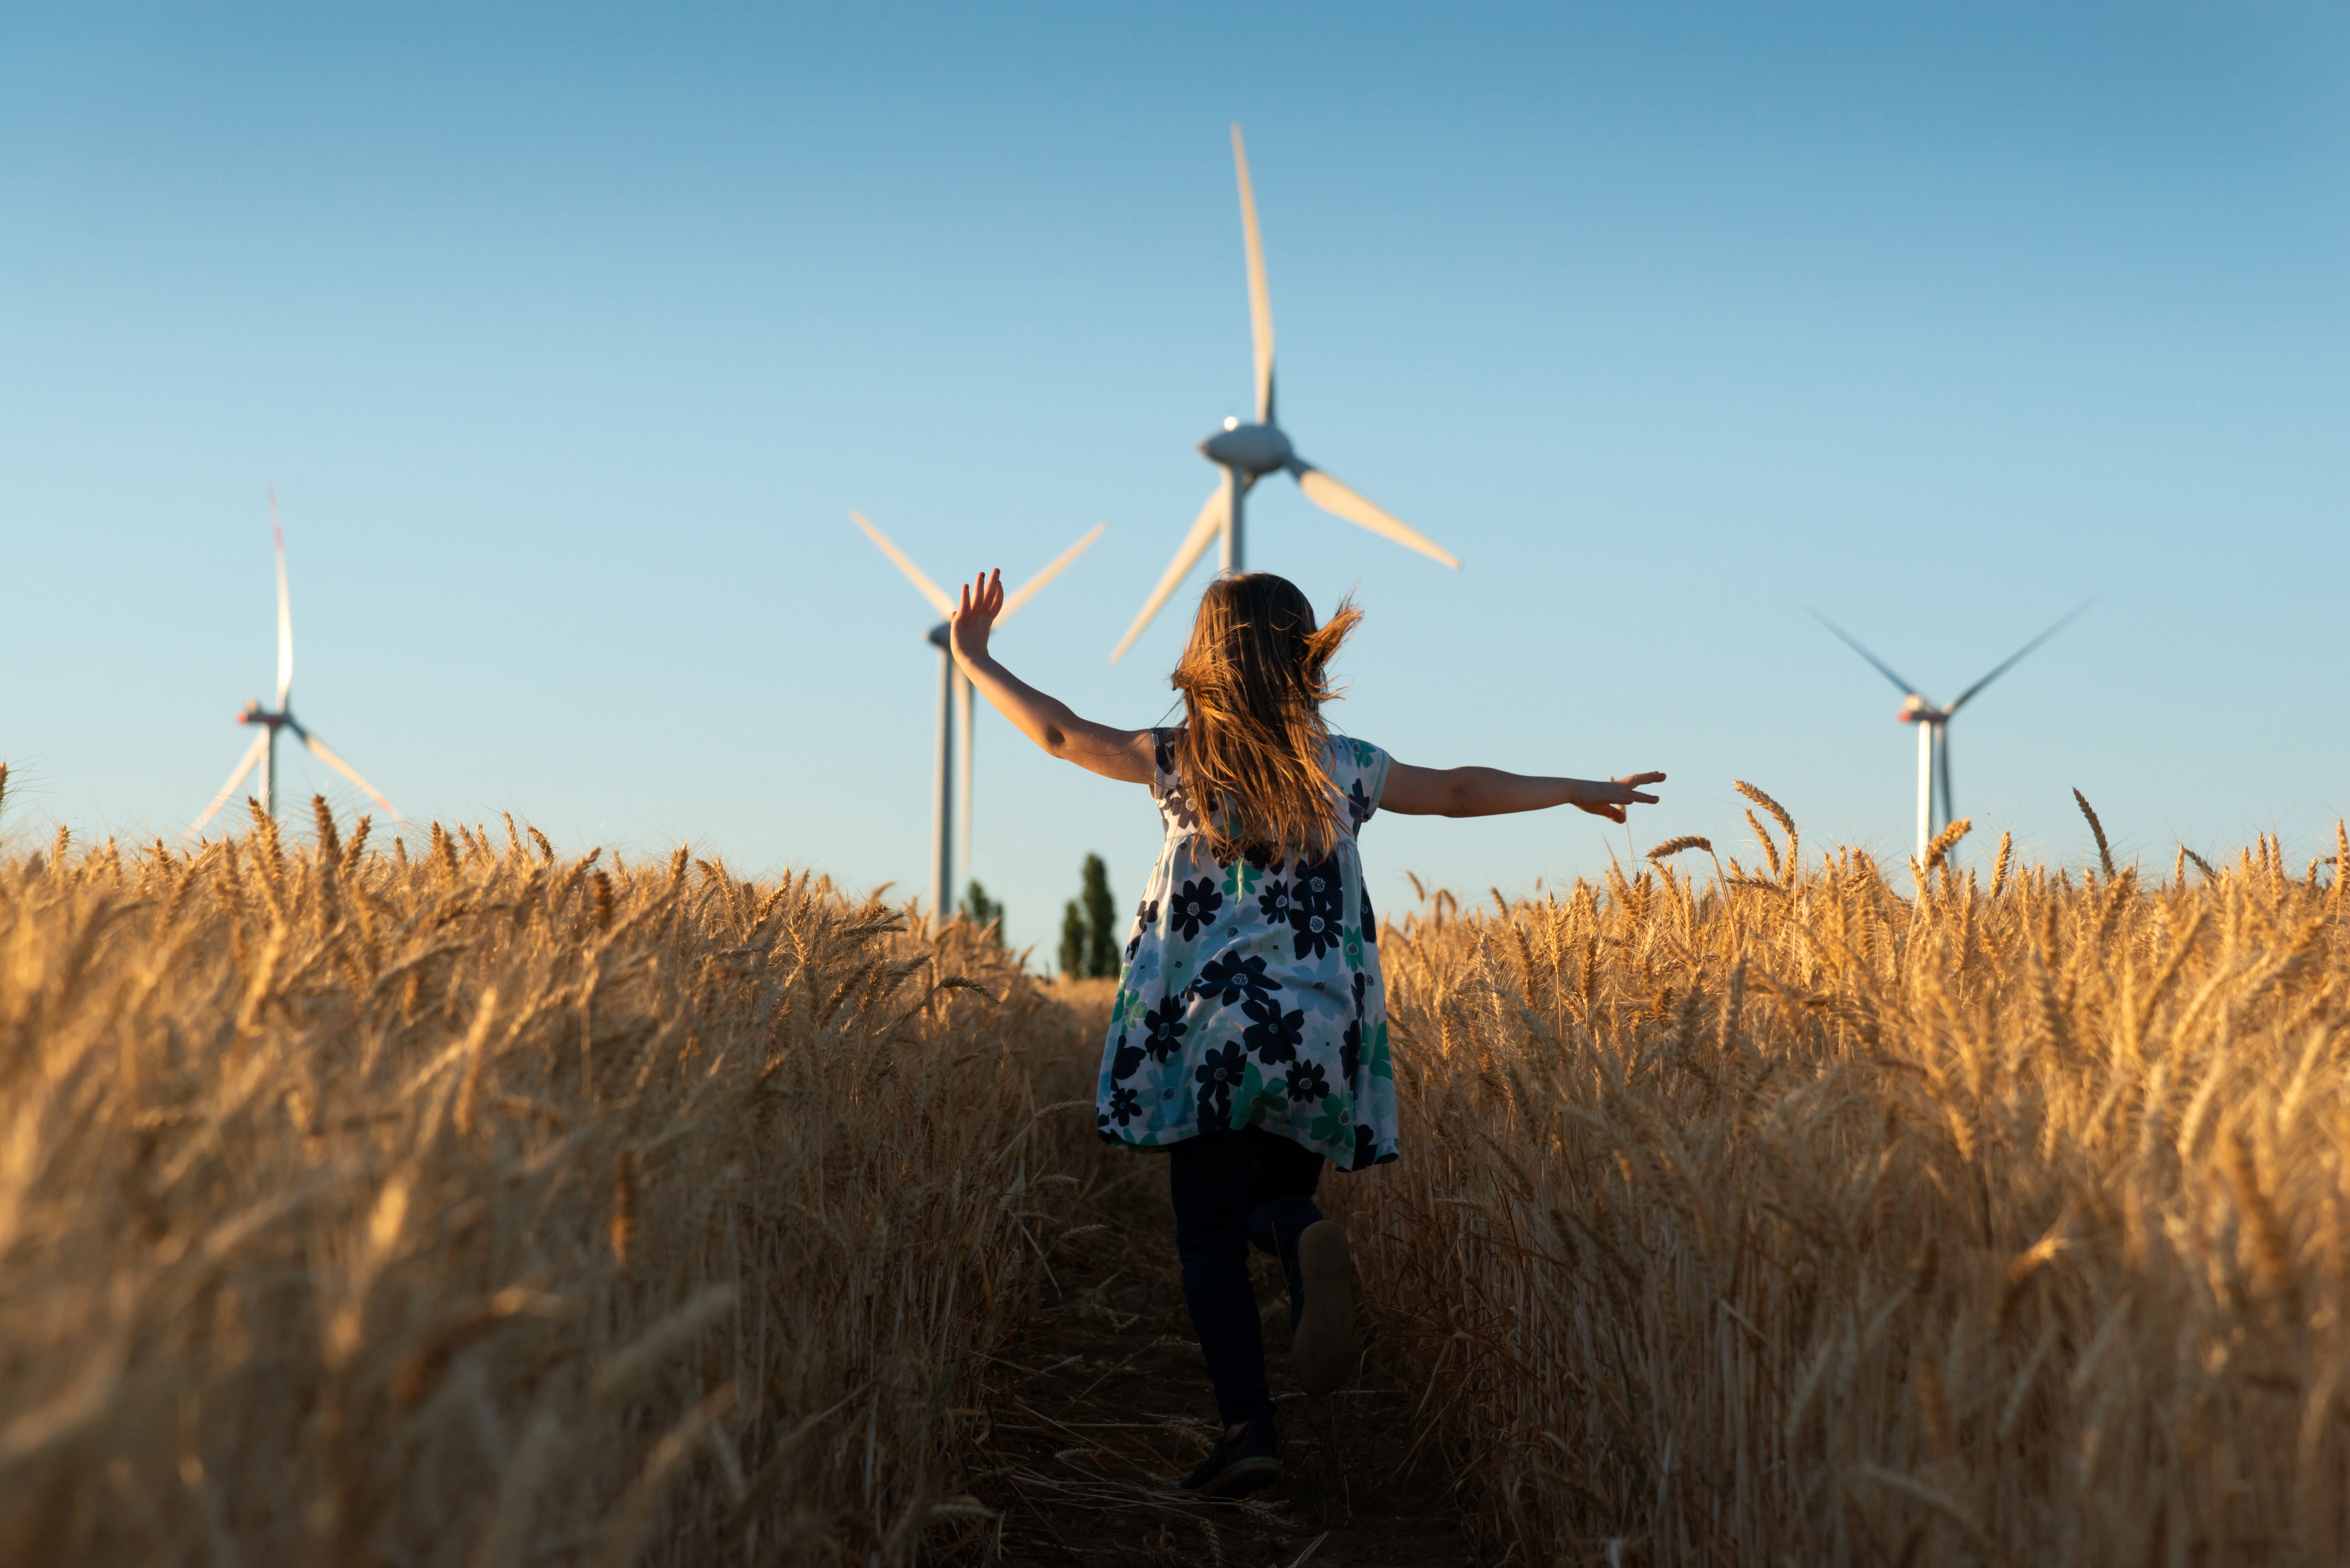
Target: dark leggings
{"points": [[1232, 1189]]}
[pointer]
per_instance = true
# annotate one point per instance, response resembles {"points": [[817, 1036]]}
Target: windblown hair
{"points": [[1253, 678]]}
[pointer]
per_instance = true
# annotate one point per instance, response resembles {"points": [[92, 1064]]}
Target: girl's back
{"points": [[1251, 995]]}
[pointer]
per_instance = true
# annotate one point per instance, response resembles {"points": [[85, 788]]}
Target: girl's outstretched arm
{"points": [[1124, 755], [1490, 792]]}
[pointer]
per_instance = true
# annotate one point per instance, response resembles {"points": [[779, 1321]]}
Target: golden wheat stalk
{"points": [[1780, 815], [302, 1222], [2105, 853], [1944, 842], [1619, 1296]]}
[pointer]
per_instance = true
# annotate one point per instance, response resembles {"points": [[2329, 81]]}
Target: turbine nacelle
{"points": [[1249, 449], [1916, 709]]}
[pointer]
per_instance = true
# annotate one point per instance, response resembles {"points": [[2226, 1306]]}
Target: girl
{"points": [[1249, 1037]]}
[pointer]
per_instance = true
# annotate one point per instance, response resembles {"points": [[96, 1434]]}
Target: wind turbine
{"points": [[953, 784], [1247, 453], [1934, 808], [262, 752]]}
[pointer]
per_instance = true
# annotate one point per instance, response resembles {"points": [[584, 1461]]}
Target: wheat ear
{"points": [[1946, 841], [1779, 814], [2105, 851]]}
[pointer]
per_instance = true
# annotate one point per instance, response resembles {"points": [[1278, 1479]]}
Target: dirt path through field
{"points": [[1102, 1404]]}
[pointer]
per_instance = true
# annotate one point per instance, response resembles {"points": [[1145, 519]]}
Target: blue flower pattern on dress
{"points": [[1313, 905], [1219, 1072], [1304, 1083], [1144, 918], [1166, 1098], [1334, 1127], [1194, 907], [1251, 995], [1167, 1028], [1234, 976], [1325, 1000], [1272, 1035]]}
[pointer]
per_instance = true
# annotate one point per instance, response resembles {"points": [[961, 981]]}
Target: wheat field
{"points": [[469, 1204], [486, 1207], [1789, 1216]]}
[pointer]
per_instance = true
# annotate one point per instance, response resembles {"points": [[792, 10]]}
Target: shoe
{"points": [[1324, 1350], [1239, 1463]]}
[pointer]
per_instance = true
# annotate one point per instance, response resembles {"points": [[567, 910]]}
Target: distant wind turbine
{"points": [[1247, 453], [1934, 808], [953, 784], [262, 752]]}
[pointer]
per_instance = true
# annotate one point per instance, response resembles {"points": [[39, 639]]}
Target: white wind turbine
{"points": [[262, 752], [1247, 453], [953, 785], [1934, 808]]}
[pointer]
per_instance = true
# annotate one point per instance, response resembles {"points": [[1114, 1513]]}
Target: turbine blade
{"points": [[327, 755], [285, 608], [1203, 534], [1882, 668], [1028, 589], [228, 790], [1260, 297], [922, 585], [2010, 662], [1342, 502]]}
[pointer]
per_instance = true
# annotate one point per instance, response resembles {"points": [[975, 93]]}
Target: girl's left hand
{"points": [[983, 601], [1613, 796]]}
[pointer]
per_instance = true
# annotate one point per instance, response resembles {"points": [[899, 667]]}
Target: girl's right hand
{"points": [[1609, 799], [967, 627]]}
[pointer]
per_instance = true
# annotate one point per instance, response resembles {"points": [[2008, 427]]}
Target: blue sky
{"points": [[568, 336]]}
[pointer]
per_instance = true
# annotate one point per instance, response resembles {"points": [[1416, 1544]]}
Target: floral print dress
{"points": [[1251, 995]]}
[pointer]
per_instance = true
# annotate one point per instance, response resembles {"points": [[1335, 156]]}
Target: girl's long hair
{"points": [[1253, 678]]}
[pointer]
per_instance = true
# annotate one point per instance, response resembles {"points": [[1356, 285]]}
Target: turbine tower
{"points": [[951, 798], [1247, 453], [1934, 807], [262, 752]]}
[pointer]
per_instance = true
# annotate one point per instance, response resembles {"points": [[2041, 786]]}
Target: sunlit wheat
{"points": [[477, 1209], [1808, 1220]]}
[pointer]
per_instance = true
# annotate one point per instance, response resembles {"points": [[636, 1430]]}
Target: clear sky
{"points": [[570, 335]]}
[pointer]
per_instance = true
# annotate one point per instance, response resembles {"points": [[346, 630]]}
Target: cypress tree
{"points": [[1101, 921], [981, 910], [1090, 945]]}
